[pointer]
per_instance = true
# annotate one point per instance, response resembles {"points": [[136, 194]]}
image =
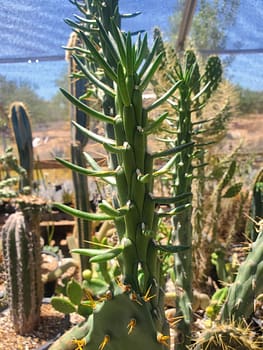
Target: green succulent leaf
{"points": [[122, 87], [173, 150], [81, 214], [74, 292], [95, 137], [175, 211], [85, 171], [63, 304], [99, 255], [149, 58], [149, 73], [98, 58], [155, 124], [84, 309], [233, 190], [82, 106], [93, 78], [171, 249], [165, 97], [111, 254]]}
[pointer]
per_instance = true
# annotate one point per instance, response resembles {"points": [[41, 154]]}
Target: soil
{"points": [[52, 323]]}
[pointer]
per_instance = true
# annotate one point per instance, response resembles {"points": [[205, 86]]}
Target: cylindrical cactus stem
{"points": [[22, 260], [247, 285], [21, 125]]}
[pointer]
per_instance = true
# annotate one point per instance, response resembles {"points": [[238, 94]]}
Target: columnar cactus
{"points": [[248, 285], [21, 125], [22, 260], [137, 300], [193, 93]]}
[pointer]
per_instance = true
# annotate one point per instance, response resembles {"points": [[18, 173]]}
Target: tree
{"points": [[210, 23]]}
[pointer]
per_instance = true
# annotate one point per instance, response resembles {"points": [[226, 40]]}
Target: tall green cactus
{"points": [[193, 94], [22, 260], [134, 207], [21, 125]]}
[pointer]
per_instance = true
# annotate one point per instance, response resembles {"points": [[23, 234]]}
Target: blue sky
{"points": [[36, 28]]}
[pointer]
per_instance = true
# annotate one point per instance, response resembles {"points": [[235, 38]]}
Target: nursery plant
{"points": [[22, 261], [21, 126], [136, 301]]}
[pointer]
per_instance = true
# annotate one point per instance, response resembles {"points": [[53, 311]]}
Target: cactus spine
{"points": [[22, 259], [21, 125], [227, 337]]}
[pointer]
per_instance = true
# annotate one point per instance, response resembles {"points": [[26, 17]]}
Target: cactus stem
{"points": [[162, 339], [131, 325], [105, 341]]}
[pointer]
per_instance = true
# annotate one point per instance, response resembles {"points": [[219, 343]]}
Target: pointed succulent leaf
{"points": [[155, 124], [130, 15], [149, 58], [175, 211], [228, 175], [151, 70], [111, 254], [109, 210], [173, 150], [98, 58], [233, 190], [108, 90], [122, 87], [98, 138], [172, 200], [85, 171], [142, 51], [81, 214], [165, 97], [118, 38], [82, 106], [171, 249], [108, 42]]}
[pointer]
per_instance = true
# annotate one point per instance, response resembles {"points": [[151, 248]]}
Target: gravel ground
{"points": [[51, 324]]}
